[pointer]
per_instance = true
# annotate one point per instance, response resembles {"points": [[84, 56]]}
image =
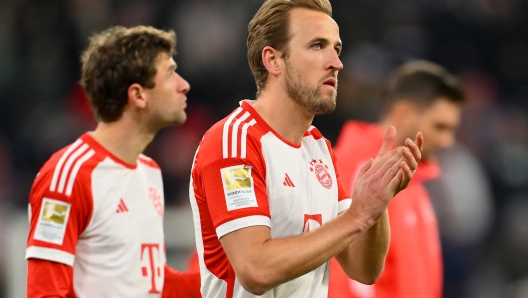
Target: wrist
{"points": [[362, 221]]}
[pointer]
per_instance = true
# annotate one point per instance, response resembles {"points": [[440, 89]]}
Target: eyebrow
{"points": [[325, 41], [172, 67]]}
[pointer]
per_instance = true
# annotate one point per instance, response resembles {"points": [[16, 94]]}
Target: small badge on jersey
{"points": [[53, 218], [238, 187], [321, 172]]}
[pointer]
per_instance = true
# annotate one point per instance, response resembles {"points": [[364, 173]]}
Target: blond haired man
{"points": [[273, 230]]}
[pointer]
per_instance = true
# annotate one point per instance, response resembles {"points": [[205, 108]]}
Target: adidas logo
{"points": [[287, 181], [121, 207]]}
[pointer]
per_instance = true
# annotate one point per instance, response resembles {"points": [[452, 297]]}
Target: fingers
{"points": [[388, 141], [419, 140], [365, 168], [389, 169], [380, 161], [407, 175], [394, 177], [415, 148], [410, 159]]}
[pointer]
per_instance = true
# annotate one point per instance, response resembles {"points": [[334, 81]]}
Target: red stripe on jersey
{"points": [[237, 137], [226, 133], [342, 192], [81, 200], [149, 162], [263, 123], [234, 139], [62, 156], [66, 171], [314, 132], [98, 148], [214, 256]]}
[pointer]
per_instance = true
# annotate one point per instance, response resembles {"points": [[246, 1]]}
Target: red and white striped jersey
{"points": [[245, 174], [103, 217]]}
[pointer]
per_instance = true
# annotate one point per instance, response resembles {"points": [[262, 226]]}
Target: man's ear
{"points": [[137, 96], [270, 59]]}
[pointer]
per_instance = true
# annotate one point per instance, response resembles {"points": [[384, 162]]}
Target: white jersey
{"points": [[103, 217], [245, 174]]}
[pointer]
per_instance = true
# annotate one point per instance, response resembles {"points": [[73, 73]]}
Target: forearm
{"points": [[275, 261], [364, 258]]}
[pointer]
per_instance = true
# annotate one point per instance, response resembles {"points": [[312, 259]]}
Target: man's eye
{"points": [[317, 46]]}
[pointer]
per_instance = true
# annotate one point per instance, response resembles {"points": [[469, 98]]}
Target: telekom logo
{"points": [[152, 253], [312, 221]]}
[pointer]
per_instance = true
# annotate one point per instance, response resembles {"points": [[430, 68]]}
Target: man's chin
{"points": [[326, 108], [180, 120], [176, 121]]}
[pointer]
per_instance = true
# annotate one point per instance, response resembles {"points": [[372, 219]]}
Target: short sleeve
{"points": [[234, 189], [56, 217]]}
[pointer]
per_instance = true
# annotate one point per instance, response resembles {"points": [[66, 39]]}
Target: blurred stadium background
{"points": [[481, 201]]}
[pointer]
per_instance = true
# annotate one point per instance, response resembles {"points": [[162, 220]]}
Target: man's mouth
{"points": [[330, 81]]}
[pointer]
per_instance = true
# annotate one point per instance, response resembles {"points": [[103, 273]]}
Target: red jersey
{"points": [[96, 226], [245, 174], [413, 266]]}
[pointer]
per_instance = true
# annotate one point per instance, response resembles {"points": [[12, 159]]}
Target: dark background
{"points": [[483, 213]]}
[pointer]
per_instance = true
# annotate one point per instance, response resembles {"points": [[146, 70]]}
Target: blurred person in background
{"points": [[96, 206], [420, 96], [265, 188]]}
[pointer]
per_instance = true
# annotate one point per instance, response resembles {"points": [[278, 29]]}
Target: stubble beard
{"points": [[308, 97]]}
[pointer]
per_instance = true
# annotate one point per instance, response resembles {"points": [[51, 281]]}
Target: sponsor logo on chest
{"points": [[320, 169]]}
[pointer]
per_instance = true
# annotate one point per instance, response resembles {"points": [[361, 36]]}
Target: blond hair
{"points": [[270, 27]]}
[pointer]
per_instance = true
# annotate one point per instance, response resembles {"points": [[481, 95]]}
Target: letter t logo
{"points": [[153, 268]]}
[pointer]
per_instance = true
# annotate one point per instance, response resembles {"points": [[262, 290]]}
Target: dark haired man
{"points": [[96, 206], [420, 96]]}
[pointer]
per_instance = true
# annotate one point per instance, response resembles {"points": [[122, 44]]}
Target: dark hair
{"points": [[270, 27], [422, 82], [117, 58]]}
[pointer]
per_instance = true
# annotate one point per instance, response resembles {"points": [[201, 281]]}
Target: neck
{"points": [[124, 138], [284, 115]]}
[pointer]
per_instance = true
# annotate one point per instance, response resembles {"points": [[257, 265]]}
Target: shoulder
{"points": [[235, 136], [66, 167], [143, 159], [314, 135]]}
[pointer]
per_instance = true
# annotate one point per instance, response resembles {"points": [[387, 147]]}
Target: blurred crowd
{"points": [[481, 199]]}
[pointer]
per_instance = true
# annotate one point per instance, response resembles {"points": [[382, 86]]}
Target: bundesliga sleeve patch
{"points": [[53, 218], [238, 187]]}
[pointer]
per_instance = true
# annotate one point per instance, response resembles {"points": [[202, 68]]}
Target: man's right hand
{"points": [[381, 178]]}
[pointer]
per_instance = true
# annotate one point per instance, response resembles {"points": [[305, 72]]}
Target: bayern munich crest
{"points": [[321, 172]]}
